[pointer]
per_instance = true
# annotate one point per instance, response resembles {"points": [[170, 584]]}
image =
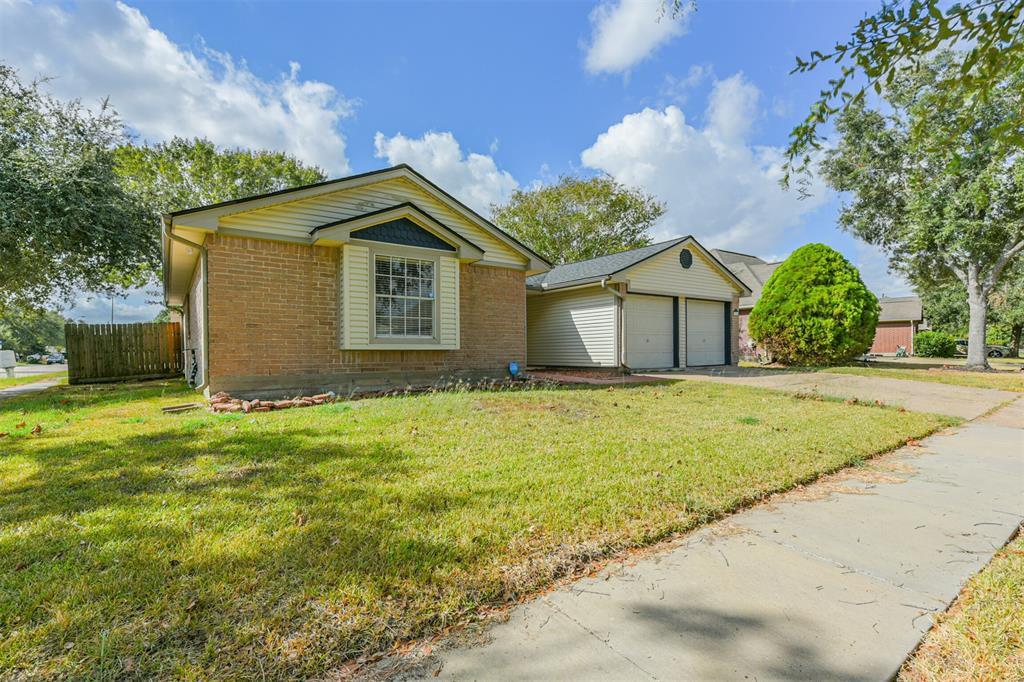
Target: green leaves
{"points": [[576, 219], [893, 43], [814, 310], [66, 222]]}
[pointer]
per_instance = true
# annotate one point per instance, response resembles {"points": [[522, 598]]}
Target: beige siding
{"points": [[296, 219], [663, 274], [448, 302], [572, 329], [355, 271], [194, 306]]}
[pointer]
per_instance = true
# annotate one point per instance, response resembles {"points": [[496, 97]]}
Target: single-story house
{"points": [[898, 320], [667, 305], [371, 281]]}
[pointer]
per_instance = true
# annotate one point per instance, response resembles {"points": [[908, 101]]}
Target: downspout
{"points": [[620, 324], [168, 229]]}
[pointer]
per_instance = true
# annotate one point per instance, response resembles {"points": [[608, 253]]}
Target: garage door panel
{"points": [[705, 333], [649, 336]]}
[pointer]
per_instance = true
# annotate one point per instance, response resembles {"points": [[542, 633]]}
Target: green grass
{"points": [[6, 381], [982, 635], [1006, 381], [140, 544]]}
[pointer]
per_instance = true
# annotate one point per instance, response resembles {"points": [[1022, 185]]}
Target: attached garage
{"points": [[706, 332], [661, 306], [650, 332]]}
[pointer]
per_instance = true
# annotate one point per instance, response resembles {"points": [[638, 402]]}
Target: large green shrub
{"points": [[814, 310], [934, 345]]}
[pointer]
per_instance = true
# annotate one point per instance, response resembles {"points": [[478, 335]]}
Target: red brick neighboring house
{"points": [[898, 320], [372, 281]]}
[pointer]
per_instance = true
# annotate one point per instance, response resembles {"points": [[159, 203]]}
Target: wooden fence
{"points": [[116, 352]]}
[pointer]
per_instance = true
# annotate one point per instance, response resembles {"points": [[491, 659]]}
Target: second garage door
{"points": [[705, 333], [649, 332]]}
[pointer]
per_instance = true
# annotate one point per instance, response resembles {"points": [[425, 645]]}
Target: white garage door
{"points": [[648, 332], [705, 333]]}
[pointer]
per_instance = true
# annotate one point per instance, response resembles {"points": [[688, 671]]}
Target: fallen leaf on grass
{"points": [[913, 443], [37, 430], [19, 425]]}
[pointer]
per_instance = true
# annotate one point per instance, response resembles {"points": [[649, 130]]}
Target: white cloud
{"points": [[162, 89], [677, 89], [134, 306], [474, 179], [629, 31], [718, 185]]}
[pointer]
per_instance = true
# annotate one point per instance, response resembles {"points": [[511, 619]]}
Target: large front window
{"points": [[404, 297]]}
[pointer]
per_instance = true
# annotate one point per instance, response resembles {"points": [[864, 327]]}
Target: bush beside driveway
{"points": [[197, 545]]}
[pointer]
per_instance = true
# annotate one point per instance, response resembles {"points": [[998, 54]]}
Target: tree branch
{"points": [[997, 269]]}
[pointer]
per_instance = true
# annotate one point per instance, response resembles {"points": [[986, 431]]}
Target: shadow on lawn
{"points": [[272, 542]]}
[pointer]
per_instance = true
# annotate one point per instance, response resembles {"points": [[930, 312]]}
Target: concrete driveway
{"points": [[835, 581], [920, 396]]}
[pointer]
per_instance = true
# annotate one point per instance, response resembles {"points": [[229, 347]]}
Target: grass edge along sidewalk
{"points": [[200, 545]]}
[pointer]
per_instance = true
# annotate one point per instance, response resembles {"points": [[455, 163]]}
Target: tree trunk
{"points": [[977, 303], [1015, 343]]}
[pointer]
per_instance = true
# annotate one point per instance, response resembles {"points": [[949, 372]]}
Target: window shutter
{"points": [[448, 302], [355, 307]]}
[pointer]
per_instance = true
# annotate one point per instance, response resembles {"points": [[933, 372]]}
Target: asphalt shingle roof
{"points": [[594, 268], [900, 308]]}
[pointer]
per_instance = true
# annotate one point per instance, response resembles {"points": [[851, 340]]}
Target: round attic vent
{"points": [[685, 258]]}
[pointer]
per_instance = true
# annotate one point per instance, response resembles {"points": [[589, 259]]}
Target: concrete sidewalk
{"points": [[837, 581], [23, 389]]}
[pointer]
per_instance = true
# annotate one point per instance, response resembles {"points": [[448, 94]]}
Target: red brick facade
{"points": [[274, 322]]}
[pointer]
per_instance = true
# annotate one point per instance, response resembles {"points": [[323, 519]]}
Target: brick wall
{"points": [[273, 323]]}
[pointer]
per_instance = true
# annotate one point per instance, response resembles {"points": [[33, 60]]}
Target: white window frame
{"points": [[405, 255]]}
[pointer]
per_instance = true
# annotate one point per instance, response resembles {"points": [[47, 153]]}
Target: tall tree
{"points": [[1008, 306], [31, 331], [893, 41], [942, 203], [65, 219], [576, 218], [185, 173]]}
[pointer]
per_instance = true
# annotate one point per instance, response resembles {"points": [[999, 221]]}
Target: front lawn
{"points": [[140, 544], [6, 381], [982, 635], [1004, 380]]}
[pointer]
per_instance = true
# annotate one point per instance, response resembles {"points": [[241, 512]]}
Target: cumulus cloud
{"points": [[626, 32], [93, 50], [474, 179], [718, 185]]}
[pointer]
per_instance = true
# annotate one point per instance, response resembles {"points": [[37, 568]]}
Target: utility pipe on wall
{"points": [[168, 229], [620, 321]]}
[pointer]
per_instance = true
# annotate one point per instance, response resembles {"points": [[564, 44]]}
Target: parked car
{"points": [[34, 359], [55, 359], [992, 350]]}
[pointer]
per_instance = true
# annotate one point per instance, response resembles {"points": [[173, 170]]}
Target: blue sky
{"points": [[481, 97]]}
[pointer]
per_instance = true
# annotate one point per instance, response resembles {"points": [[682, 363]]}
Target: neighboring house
{"points": [[897, 324], [898, 319], [660, 306], [371, 281]]}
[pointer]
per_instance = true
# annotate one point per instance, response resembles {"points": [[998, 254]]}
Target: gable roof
{"points": [[732, 257], [754, 275], [317, 188], [900, 309], [594, 269]]}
